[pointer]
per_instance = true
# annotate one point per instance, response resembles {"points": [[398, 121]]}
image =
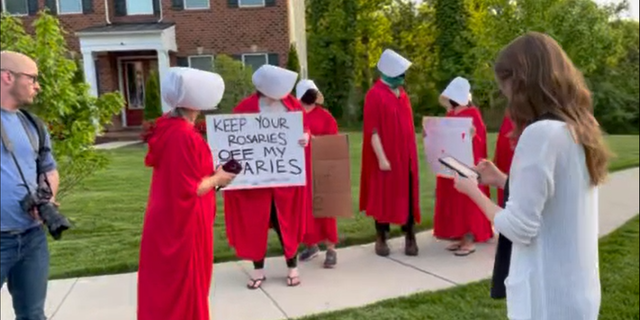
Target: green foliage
{"points": [[152, 100], [331, 26], [293, 63], [452, 40], [64, 102], [237, 81]]}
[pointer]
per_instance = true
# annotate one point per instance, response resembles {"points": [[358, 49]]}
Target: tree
{"points": [[64, 102], [452, 40], [152, 100], [237, 81], [331, 29], [293, 63]]}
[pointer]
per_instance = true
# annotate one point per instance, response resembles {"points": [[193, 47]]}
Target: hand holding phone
{"points": [[462, 169]]}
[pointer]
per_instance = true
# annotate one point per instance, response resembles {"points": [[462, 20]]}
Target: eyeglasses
{"points": [[34, 78]]}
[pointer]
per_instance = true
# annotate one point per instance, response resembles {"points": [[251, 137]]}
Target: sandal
{"points": [[256, 283], [464, 252], [454, 247], [291, 281]]}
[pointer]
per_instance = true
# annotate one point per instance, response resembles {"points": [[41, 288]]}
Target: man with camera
{"points": [[29, 183]]}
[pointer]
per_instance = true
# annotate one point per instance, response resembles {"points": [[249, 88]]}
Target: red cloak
{"points": [[385, 195], [320, 122], [504, 151], [455, 214], [247, 212], [176, 251]]}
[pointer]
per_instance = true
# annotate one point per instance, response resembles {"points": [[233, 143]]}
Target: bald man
{"points": [[23, 247]]}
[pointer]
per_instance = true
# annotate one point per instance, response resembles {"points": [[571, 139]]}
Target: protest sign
{"points": [[447, 137], [331, 176], [266, 144]]}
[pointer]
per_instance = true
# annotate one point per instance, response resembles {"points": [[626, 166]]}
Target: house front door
{"points": [[134, 79]]}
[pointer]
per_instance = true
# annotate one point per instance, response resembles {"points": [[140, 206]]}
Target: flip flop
{"points": [[464, 252], [256, 283], [454, 247], [291, 283]]}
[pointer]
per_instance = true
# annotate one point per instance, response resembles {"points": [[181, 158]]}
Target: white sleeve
{"points": [[530, 183]]}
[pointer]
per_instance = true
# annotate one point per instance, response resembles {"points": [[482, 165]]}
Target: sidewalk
{"points": [[359, 270]]}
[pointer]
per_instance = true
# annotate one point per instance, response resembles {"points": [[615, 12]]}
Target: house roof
{"points": [[126, 28]]}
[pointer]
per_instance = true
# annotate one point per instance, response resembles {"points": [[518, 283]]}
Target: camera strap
{"points": [[9, 146]]}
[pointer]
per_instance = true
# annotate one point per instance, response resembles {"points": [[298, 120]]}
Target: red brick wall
{"points": [[219, 29]]}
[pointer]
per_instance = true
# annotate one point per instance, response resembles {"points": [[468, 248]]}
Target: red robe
{"points": [[176, 251], [385, 195], [320, 122], [455, 213], [247, 212], [504, 151]]}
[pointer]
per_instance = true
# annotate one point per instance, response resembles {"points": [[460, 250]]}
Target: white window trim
{"points": [[201, 56], [264, 54], [26, 5], [186, 7], [65, 13], [138, 14], [251, 5]]}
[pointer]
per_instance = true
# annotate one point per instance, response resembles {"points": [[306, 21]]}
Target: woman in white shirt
{"points": [[552, 213]]}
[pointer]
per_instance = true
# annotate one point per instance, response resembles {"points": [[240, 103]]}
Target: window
{"points": [[69, 6], [251, 3], [255, 60], [196, 4], [204, 63], [15, 7], [135, 7]]}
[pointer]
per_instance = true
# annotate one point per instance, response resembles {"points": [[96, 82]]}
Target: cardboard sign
{"points": [[443, 137], [331, 176], [265, 143]]}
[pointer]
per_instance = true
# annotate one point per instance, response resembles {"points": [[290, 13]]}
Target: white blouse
{"points": [[552, 219]]}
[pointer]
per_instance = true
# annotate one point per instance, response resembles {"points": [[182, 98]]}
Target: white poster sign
{"points": [[266, 144], [447, 136]]}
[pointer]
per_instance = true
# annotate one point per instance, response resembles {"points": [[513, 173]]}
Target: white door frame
{"points": [[120, 62]]}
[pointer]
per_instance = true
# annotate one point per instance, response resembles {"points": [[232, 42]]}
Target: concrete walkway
{"points": [[114, 297], [115, 144]]}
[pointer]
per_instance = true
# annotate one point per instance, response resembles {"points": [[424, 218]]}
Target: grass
{"points": [[619, 266], [108, 211]]}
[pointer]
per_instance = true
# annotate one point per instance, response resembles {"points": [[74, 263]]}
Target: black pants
{"points": [[502, 260], [291, 263], [408, 227]]}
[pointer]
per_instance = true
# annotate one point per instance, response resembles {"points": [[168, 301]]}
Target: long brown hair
{"points": [[543, 80]]}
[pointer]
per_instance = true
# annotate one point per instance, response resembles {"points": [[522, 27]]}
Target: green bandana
{"points": [[393, 83]]}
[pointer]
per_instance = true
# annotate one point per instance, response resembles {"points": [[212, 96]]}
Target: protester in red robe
{"points": [[250, 213], [389, 178], [505, 148], [320, 123], [176, 250], [456, 217]]}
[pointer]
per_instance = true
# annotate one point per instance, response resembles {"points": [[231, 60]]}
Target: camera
{"points": [[51, 217]]}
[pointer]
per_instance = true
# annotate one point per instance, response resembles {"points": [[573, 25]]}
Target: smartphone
{"points": [[459, 167]]}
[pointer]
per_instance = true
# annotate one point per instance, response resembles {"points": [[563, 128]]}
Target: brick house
{"points": [[121, 41]]}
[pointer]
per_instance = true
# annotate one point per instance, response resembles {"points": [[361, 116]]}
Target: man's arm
{"points": [[54, 181], [50, 167]]}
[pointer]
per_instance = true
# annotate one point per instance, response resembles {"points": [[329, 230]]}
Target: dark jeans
{"points": [[291, 263], [24, 264], [408, 227]]}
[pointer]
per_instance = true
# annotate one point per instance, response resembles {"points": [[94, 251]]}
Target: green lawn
{"points": [[618, 274], [108, 211]]}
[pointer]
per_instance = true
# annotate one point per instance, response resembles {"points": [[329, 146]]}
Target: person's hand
{"points": [[384, 165], [465, 185], [473, 131], [490, 175], [304, 141], [223, 178]]}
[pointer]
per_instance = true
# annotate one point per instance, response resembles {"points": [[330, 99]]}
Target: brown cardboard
{"points": [[330, 165]]}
